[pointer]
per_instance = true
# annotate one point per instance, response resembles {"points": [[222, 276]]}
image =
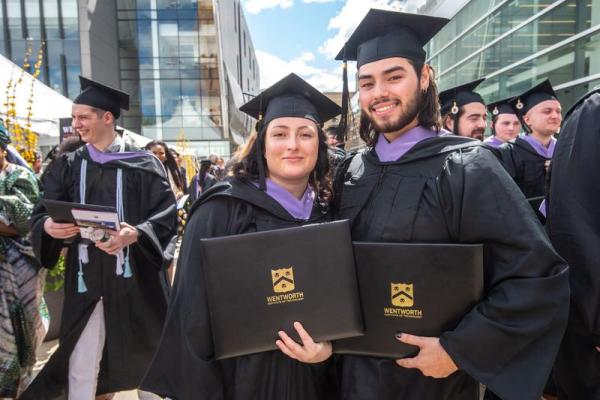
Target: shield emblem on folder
{"points": [[402, 294], [283, 279]]}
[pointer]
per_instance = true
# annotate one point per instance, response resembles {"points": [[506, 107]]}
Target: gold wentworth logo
{"points": [[283, 280], [402, 294], [284, 284]]}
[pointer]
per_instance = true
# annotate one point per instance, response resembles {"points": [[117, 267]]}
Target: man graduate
{"points": [[574, 228], [115, 299], [505, 126], [527, 159], [463, 110], [412, 185]]}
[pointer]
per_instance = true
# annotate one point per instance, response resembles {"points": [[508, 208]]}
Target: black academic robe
{"points": [[574, 228], [453, 190], [209, 181], [183, 368], [135, 307], [528, 169]]}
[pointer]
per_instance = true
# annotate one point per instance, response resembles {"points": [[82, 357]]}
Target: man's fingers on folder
{"points": [[285, 350], [412, 339], [60, 230], [304, 336]]}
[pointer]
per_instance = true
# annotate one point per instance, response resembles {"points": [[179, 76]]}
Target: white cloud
{"points": [[256, 6], [273, 68], [350, 16], [318, 1]]}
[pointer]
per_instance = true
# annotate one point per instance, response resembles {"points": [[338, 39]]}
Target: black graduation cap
{"points": [[534, 96], [97, 95], [501, 107], [292, 96], [206, 163], [385, 34], [458, 96]]}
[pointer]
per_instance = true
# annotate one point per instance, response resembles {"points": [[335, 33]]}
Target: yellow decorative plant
{"points": [[23, 138]]}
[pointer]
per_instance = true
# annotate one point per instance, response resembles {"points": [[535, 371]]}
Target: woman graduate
{"points": [[281, 180]]}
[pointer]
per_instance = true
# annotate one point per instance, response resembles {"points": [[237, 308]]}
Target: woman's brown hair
{"points": [[429, 114], [247, 168]]}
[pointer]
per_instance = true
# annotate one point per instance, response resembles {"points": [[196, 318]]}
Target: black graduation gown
{"points": [[442, 190], [135, 307], [209, 181], [574, 228], [182, 368], [528, 169]]}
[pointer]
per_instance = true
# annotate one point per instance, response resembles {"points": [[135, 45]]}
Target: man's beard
{"points": [[477, 134], [410, 111]]}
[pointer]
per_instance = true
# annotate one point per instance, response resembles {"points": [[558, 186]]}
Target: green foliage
{"points": [[56, 276]]}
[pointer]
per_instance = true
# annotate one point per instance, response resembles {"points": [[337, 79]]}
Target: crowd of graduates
{"points": [[426, 175]]}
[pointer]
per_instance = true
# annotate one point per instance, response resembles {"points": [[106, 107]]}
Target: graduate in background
{"points": [[505, 126], [463, 110], [115, 283], [574, 228], [527, 159], [280, 181], [412, 185], [202, 181]]}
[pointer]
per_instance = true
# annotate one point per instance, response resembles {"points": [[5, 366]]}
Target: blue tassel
{"points": [[127, 273], [81, 288]]}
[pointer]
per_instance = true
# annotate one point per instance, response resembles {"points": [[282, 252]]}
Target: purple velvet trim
{"points": [[387, 151], [102, 158], [539, 148]]}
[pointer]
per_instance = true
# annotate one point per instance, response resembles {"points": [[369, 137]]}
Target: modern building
{"points": [[517, 43], [186, 63]]}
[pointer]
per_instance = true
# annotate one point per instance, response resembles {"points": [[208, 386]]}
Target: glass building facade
{"points": [[170, 62], [517, 43], [52, 24], [185, 63]]}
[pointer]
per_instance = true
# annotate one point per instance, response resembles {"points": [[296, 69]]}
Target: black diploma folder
{"points": [[421, 289], [260, 283], [62, 211]]}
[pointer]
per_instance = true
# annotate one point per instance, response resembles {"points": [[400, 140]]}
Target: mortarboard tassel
{"points": [[342, 129], [455, 126], [260, 131], [262, 177]]}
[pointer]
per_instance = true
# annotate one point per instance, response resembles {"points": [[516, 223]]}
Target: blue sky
{"points": [[303, 36]]}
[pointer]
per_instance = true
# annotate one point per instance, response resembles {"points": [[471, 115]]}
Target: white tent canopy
{"points": [[48, 106]]}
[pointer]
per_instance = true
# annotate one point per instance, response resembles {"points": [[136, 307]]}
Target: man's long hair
{"points": [[428, 117], [320, 178]]}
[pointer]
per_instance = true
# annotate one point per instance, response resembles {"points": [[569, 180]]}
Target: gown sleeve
{"points": [[158, 232], [182, 367], [55, 183], [574, 216], [509, 340]]}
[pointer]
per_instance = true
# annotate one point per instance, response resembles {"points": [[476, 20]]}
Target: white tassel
{"points": [[83, 253], [120, 262]]}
